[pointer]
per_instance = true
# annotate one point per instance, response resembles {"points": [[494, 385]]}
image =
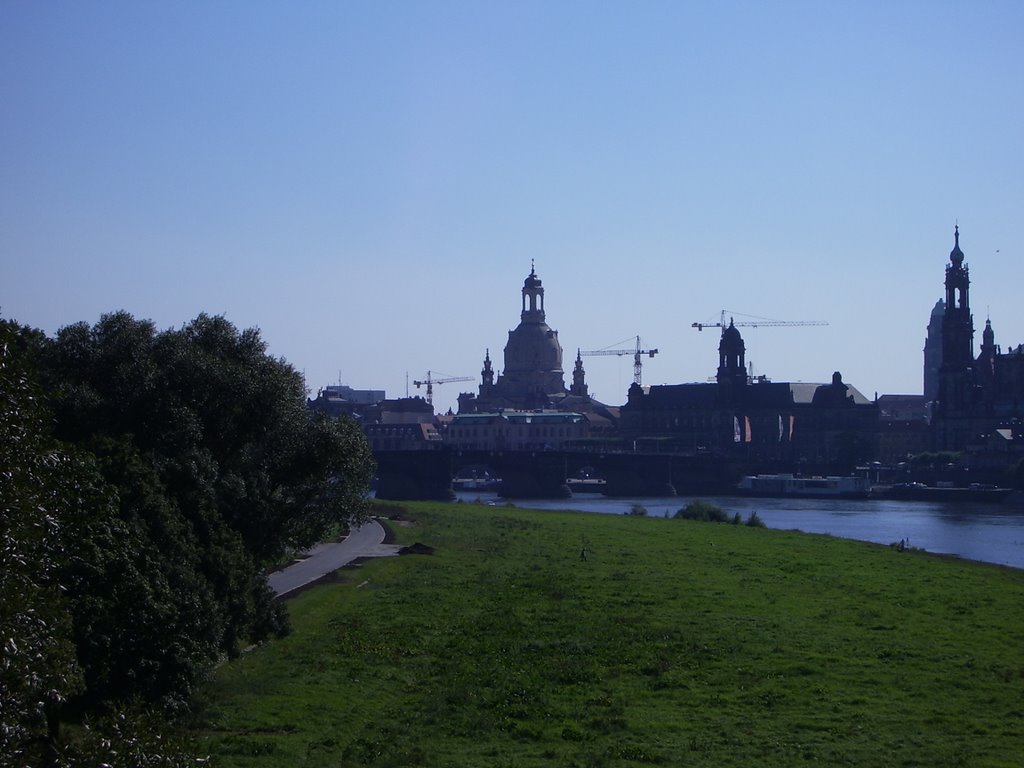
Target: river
{"points": [[992, 533]]}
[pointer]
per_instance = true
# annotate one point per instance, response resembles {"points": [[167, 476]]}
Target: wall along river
{"points": [[991, 533]]}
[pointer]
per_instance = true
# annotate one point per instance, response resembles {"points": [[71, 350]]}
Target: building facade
{"points": [[403, 424], [902, 427], [516, 431], [976, 394], [793, 424], [340, 400]]}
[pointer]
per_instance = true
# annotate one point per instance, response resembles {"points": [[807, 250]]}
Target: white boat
{"points": [[783, 485], [476, 483]]}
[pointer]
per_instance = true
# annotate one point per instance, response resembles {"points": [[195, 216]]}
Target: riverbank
{"points": [[548, 638], [991, 533]]}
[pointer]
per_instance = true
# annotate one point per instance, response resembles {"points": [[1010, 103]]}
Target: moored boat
{"points": [[787, 485], [587, 485], [974, 493], [476, 483]]}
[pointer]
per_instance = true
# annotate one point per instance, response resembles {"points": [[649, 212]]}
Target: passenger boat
{"points": [[786, 485]]}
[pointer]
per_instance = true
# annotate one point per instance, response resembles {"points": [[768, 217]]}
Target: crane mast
{"points": [[638, 352], [431, 380]]}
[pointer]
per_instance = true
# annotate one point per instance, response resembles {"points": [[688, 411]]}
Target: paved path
{"points": [[365, 541]]}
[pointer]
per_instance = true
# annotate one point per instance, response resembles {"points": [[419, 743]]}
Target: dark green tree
{"points": [[210, 467], [147, 622], [282, 477], [58, 520], [38, 670]]}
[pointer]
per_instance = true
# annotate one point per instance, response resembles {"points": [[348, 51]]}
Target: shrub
{"points": [[638, 510], [704, 511], [755, 521]]}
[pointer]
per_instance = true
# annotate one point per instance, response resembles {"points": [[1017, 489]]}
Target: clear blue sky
{"points": [[367, 182]]}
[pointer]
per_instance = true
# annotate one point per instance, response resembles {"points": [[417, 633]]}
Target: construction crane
{"points": [[430, 381], [637, 354], [752, 322]]}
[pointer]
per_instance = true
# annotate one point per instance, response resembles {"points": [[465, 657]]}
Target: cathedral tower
{"points": [[985, 366], [956, 371]]}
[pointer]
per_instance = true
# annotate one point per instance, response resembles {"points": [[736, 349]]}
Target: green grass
{"points": [[673, 643]]}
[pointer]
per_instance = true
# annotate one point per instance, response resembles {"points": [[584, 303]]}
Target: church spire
{"points": [[486, 376], [579, 386], [956, 256], [958, 284], [956, 373]]}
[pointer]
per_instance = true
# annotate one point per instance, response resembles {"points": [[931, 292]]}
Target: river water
{"points": [[992, 533]]}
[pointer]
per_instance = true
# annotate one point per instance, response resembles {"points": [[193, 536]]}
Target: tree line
{"points": [[148, 481]]}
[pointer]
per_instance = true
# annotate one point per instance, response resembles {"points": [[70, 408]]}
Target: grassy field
{"points": [[672, 643]]}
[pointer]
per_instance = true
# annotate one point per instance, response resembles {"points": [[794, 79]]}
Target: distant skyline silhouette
{"points": [[369, 184]]}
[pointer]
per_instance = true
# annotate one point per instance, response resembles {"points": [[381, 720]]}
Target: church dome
{"points": [[532, 348], [533, 356]]}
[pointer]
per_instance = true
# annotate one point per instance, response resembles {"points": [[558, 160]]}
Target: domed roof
{"points": [[532, 281], [956, 256], [532, 347], [731, 338]]}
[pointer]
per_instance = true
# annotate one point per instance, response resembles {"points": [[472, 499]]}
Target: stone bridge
{"points": [[406, 475]]}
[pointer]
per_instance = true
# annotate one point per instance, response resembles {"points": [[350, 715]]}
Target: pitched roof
{"points": [[765, 394]]}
